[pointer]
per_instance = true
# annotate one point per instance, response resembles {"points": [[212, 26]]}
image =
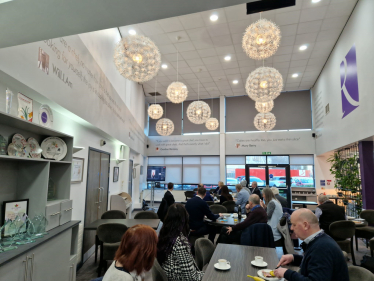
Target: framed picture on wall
{"points": [[115, 174], [77, 169], [12, 209]]}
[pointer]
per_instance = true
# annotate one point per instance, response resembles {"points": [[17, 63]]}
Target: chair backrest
{"points": [[146, 215], [189, 194], [230, 206], [195, 189], [357, 273], [113, 214], [158, 274], [258, 234], [210, 203], [111, 232], [98, 279], [342, 229], [368, 215], [204, 250], [216, 209]]}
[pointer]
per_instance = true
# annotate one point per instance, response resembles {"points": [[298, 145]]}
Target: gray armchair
{"points": [[216, 209], [341, 231], [204, 250], [366, 232], [230, 206], [357, 273], [146, 215], [158, 274]]}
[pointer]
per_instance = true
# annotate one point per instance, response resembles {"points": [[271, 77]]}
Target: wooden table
{"points": [[154, 223], [229, 222], [240, 258]]}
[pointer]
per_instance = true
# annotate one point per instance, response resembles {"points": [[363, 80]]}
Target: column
{"points": [[367, 173], [222, 139]]}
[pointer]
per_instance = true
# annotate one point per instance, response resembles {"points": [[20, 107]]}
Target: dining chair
{"points": [[230, 206], [366, 232], [341, 231], [210, 203], [371, 245], [109, 235], [111, 214], [158, 274], [204, 250], [189, 194], [259, 235], [146, 215], [357, 273], [216, 209]]}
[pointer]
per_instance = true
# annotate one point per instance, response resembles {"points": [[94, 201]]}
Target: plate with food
{"points": [[267, 274]]}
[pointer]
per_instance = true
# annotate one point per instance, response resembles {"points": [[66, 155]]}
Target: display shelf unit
{"points": [[306, 194], [27, 178]]}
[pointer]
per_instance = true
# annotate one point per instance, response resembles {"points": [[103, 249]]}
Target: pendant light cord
{"points": [[177, 65], [155, 89], [198, 90]]}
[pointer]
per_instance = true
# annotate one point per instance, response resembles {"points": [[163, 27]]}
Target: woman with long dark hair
{"points": [[173, 249], [225, 195]]}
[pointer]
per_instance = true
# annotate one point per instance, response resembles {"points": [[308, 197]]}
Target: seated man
{"points": [[281, 199], [327, 212], [242, 196], [323, 259], [257, 214], [243, 183], [256, 190], [197, 208]]}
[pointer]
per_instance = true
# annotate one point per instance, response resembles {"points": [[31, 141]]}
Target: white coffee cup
{"points": [[222, 263], [235, 215], [259, 260]]}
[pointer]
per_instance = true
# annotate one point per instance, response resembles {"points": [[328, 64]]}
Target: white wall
{"points": [[322, 172], [336, 131]]}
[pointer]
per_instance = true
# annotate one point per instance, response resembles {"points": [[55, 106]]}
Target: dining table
{"points": [[225, 221], [240, 258]]}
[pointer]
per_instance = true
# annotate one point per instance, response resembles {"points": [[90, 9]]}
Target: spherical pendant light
{"points": [[264, 107], [164, 127], [137, 58], [155, 111], [265, 121], [261, 39], [264, 84], [177, 92], [212, 124], [198, 112]]}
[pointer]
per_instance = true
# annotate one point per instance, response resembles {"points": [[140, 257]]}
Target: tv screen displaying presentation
{"points": [[156, 173]]}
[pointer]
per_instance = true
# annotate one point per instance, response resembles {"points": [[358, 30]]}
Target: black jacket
{"points": [[258, 192], [282, 200], [197, 208], [330, 213], [169, 198]]}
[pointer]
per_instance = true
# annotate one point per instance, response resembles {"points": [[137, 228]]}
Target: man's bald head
{"points": [[306, 215], [255, 199], [304, 223]]}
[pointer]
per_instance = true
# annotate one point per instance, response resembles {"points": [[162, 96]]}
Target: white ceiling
{"points": [[203, 44]]}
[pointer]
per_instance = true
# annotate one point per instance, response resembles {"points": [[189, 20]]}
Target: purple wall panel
{"points": [[367, 173]]}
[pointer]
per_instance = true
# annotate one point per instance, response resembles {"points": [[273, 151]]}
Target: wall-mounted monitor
{"points": [[156, 173]]}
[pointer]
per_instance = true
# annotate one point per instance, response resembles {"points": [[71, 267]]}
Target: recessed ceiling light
{"points": [[295, 75], [227, 58], [164, 66], [303, 47], [132, 32], [213, 17], [315, 1], [235, 81]]}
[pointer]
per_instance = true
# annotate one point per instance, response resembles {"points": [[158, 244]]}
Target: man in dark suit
{"points": [[169, 195], [280, 198], [197, 208]]}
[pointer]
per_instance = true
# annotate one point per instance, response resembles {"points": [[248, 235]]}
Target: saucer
{"points": [[259, 273], [264, 264], [216, 265]]}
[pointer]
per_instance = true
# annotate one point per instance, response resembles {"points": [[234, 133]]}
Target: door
{"points": [[96, 192], [131, 164]]}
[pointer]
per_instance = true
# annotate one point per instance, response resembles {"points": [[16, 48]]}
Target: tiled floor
{"points": [[89, 269]]}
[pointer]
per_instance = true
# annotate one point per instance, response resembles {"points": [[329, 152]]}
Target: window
{"points": [[255, 160], [302, 176], [278, 160]]}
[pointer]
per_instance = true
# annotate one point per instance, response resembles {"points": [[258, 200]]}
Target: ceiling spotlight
{"points": [[295, 75], [227, 58], [164, 66], [315, 1], [235, 81], [132, 32], [213, 17], [303, 47]]}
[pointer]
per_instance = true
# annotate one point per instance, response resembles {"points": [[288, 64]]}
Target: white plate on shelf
{"points": [[45, 116], [19, 141], [260, 274], [54, 148], [35, 148], [216, 265], [14, 151], [264, 264]]}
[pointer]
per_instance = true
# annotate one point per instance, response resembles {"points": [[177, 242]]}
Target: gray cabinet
{"points": [[16, 270]]}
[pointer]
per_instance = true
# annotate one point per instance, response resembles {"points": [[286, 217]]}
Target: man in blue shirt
{"points": [[323, 259], [242, 197]]}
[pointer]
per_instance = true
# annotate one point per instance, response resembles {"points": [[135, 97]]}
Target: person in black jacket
{"points": [[280, 198], [323, 259], [225, 195], [169, 195], [256, 190], [197, 208]]}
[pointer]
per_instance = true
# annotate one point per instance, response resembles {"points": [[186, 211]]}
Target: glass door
{"points": [[256, 173]]}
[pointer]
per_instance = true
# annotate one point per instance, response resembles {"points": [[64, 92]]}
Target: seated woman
{"points": [[225, 195], [135, 255], [274, 211], [173, 249], [219, 187]]}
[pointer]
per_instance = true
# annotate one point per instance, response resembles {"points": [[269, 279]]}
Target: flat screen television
{"points": [[156, 173]]}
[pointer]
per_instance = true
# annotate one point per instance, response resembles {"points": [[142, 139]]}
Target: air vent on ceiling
{"points": [[154, 94], [267, 5]]}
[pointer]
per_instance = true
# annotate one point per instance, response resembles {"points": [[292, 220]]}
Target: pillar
{"points": [[367, 173]]}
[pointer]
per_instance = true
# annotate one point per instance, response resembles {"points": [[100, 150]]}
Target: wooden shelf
{"points": [[14, 158]]}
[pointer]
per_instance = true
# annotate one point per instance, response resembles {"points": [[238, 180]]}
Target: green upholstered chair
{"points": [[158, 274], [357, 273], [204, 250], [210, 203], [146, 215], [371, 245], [366, 232], [230, 206], [343, 232], [216, 209]]}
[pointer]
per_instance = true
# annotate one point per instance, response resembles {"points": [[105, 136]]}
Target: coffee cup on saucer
{"points": [[222, 264], [259, 260]]}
